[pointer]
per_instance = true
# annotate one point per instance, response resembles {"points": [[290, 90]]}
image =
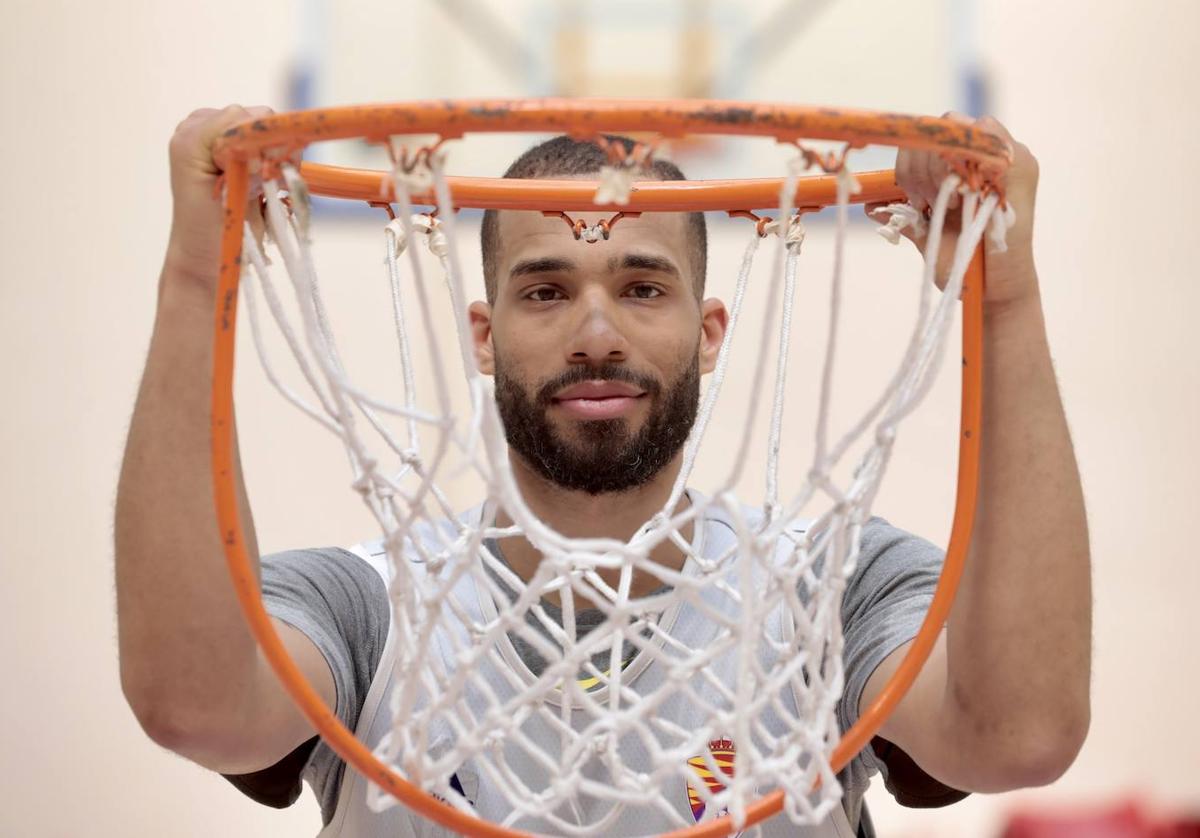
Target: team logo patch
{"points": [[722, 756]]}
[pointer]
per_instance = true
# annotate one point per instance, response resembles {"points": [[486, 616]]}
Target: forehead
{"points": [[522, 234]]}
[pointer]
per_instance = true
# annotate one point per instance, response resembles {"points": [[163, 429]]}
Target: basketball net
{"points": [[593, 737]]}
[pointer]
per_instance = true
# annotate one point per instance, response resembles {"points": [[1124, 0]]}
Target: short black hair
{"points": [[565, 156]]}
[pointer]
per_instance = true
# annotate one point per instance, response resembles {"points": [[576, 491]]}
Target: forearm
{"points": [[1019, 637], [184, 646]]}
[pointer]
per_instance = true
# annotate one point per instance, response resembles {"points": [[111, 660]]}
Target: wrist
{"points": [[188, 281], [1017, 315], [1012, 281]]}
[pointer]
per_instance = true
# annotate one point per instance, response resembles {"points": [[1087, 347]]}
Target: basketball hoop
{"points": [[797, 759]]}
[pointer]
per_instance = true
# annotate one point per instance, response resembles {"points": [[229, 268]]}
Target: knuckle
{"points": [[182, 138], [198, 115]]}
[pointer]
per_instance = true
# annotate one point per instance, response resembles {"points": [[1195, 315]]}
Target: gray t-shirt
{"points": [[340, 602]]}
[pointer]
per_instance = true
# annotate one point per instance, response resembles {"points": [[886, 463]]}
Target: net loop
{"points": [[831, 162], [615, 185], [581, 741], [793, 235], [590, 233], [900, 217], [421, 222], [616, 179], [414, 158]]}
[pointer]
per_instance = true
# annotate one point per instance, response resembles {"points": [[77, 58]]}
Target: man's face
{"points": [[597, 348]]}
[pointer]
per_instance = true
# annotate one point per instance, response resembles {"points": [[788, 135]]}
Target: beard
{"points": [[606, 455]]}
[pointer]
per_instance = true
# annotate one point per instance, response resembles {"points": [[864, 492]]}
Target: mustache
{"points": [[604, 372]]}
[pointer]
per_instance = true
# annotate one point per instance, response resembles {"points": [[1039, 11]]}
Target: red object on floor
{"points": [[1127, 820]]}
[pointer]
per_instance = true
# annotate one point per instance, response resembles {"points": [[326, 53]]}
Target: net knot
{"points": [[593, 233], [793, 236], [363, 484], [436, 562], [396, 229], [601, 743], [438, 244], [420, 222], [899, 217]]}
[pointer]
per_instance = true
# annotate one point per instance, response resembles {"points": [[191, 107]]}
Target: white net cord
{"points": [[625, 705]]}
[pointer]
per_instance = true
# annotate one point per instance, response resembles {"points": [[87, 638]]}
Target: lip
{"points": [[599, 390], [598, 399]]}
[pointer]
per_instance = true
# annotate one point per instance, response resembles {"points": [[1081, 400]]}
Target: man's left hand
{"points": [[1010, 274]]}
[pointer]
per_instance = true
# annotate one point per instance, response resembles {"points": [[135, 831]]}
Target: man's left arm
{"points": [[1003, 701]]}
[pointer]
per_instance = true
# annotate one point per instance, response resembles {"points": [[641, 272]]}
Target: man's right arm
{"points": [[190, 669]]}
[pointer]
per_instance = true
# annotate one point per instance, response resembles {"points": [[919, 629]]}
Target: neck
{"points": [[617, 515]]}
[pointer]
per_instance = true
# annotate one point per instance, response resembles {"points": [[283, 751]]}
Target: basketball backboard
{"points": [[914, 57]]}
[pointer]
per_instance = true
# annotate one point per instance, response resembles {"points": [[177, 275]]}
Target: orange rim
{"points": [[982, 154], [299, 126], [577, 195]]}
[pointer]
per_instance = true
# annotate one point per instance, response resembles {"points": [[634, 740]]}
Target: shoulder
{"points": [[325, 577], [891, 564]]}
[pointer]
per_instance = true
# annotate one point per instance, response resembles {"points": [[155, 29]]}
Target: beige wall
{"points": [[1102, 94]]}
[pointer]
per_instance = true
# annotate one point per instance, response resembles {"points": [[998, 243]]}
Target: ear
{"points": [[480, 315], [713, 321]]}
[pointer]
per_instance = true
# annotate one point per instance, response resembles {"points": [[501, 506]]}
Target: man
{"points": [[597, 351]]}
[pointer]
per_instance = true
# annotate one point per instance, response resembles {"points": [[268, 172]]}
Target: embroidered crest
{"points": [[723, 752]]}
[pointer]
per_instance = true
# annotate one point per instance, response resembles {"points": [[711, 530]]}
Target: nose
{"points": [[596, 337]]}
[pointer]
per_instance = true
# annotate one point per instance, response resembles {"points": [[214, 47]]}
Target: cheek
{"points": [[674, 358], [522, 350]]}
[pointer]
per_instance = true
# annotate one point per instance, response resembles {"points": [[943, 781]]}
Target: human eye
{"points": [[543, 294], [645, 291]]}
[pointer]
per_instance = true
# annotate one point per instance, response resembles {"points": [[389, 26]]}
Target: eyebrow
{"points": [[643, 262], [545, 265], [627, 262]]}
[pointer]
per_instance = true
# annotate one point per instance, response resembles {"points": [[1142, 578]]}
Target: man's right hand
{"points": [[195, 244]]}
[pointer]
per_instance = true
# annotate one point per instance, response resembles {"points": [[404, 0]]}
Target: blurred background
{"points": [[1103, 93]]}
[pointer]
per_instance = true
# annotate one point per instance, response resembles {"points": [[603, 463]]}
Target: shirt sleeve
{"points": [[885, 602], [340, 603]]}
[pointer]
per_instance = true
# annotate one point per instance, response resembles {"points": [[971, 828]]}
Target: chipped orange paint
{"points": [[577, 195], [284, 134]]}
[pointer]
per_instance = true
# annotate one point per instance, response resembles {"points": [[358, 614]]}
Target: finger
{"points": [[939, 171], [990, 123], [226, 119], [922, 183], [936, 171], [905, 179], [196, 117], [1020, 180]]}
